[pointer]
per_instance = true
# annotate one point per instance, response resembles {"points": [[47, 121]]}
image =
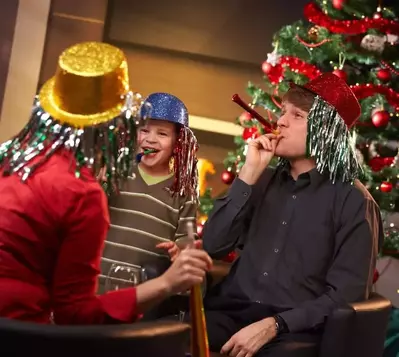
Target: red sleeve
{"points": [[77, 267]]}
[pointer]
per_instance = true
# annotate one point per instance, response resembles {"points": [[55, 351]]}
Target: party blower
{"points": [[265, 123], [199, 335], [144, 153]]}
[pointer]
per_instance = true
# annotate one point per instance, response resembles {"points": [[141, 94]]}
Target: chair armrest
{"points": [[357, 329], [167, 339], [375, 303]]}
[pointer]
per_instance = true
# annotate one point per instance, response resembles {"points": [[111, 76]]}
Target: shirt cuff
{"points": [[295, 319], [120, 305], [239, 193]]}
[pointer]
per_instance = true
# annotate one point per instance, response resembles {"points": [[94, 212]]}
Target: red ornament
{"points": [[228, 177], [386, 187], [200, 228], [244, 117], [384, 74], [266, 67], [380, 118], [341, 74], [250, 133], [376, 276], [338, 4], [230, 258]]}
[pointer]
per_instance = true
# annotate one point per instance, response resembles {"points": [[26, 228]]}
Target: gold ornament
{"points": [[205, 167], [313, 33]]}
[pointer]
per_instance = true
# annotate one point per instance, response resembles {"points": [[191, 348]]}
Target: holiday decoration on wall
{"points": [[205, 168]]}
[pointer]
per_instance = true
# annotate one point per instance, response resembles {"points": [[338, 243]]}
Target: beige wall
{"points": [[71, 21], [24, 65], [8, 18]]}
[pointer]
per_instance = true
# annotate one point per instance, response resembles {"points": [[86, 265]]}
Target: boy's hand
{"points": [[173, 248]]}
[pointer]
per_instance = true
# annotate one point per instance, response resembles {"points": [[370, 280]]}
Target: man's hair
{"points": [[300, 97]]}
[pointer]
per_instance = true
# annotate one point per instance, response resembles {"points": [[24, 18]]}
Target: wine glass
{"points": [[124, 276]]}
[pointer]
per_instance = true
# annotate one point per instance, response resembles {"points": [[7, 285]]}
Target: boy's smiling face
{"points": [[159, 135]]}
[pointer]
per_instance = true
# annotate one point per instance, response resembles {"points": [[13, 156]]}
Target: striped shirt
{"points": [[142, 216]]}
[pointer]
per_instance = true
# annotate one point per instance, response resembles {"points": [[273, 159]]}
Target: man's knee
{"points": [[292, 345]]}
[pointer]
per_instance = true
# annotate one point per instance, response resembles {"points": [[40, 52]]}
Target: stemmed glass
{"points": [[124, 276]]}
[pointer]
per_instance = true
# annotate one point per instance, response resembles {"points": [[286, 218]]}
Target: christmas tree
{"points": [[357, 40]]}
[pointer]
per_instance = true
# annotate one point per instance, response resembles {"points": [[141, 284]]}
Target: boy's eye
{"points": [[163, 134], [144, 130]]}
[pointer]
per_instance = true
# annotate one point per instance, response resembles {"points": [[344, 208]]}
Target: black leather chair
{"points": [[166, 339], [357, 330]]}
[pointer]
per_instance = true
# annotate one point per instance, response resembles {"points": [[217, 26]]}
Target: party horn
{"points": [[266, 124], [199, 335], [145, 152]]}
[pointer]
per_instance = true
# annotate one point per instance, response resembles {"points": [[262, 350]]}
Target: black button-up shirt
{"points": [[308, 245]]}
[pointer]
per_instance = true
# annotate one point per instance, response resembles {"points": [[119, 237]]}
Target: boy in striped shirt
{"points": [[152, 211]]}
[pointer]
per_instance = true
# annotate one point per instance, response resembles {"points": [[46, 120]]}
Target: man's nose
{"points": [[281, 121]]}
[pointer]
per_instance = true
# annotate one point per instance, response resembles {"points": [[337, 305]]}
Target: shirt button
{"points": [[276, 250], [265, 273], [284, 223], [294, 197], [245, 194]]}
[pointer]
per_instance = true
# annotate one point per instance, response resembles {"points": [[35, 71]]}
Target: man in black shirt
{"points": [[309, 230]]}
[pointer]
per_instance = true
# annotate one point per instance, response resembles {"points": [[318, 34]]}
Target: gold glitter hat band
{"points": [[89, 86]]}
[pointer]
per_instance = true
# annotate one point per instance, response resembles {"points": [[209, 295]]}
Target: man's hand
{"points": [[260, 153], [248, 341], [173, 249]]}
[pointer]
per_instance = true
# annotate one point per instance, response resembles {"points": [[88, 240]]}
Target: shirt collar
{"points": [[313, 175]]}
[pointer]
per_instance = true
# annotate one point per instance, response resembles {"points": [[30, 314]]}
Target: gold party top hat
{"points": [[89, 85], [87, 109]]}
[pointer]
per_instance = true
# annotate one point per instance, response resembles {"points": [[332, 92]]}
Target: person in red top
{"points": [[53, 213]]}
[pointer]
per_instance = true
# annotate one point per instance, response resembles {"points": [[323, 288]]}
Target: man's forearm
{"points": [[226, 224]]}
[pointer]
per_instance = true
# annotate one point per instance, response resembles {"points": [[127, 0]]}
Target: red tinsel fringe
{"points": [[367, 90], [311, 71], [297, 65], [351, 27]]}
